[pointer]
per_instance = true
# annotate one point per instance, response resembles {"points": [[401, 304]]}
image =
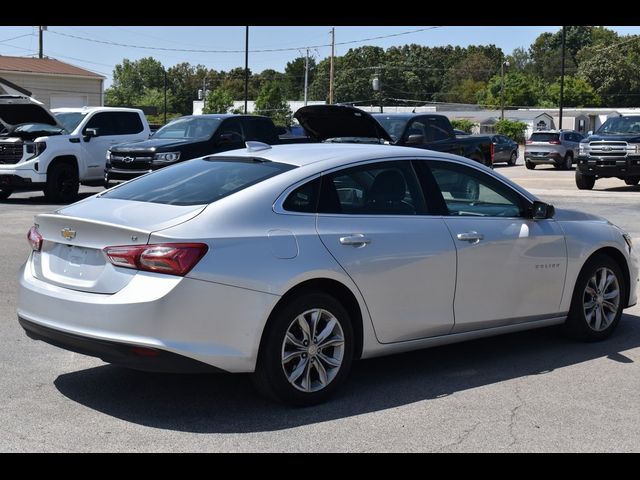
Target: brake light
{"points": [[493, 148], [35, 239], [554, 142], [170, 258], [529, 142]]}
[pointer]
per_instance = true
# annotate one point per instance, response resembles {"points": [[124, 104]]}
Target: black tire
{"points": [[579, 325], [512, 159], [529, 165], [5, 193], [585, 182], [270, 378], [632, 180], [568, 161], [62, 183]]}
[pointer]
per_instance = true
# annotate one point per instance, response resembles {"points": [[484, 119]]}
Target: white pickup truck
{"points": [[56, 151]]}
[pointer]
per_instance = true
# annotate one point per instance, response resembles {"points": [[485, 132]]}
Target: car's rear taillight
{"points": [[529, 142], [35, 239], [170, 258], [554, 142], [493, 149]]}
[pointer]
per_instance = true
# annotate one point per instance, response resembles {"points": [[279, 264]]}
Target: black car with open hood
{"points": [[343, 123]]}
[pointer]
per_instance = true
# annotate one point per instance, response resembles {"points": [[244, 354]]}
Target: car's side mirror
{"points": [[89, 133], [590, 132], [415, 139], [541, 210]]}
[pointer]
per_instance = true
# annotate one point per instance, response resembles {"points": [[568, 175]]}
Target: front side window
{"points": [[383, 188], [189, 128], [468, 192]]}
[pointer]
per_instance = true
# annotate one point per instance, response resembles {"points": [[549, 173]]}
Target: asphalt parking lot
{"points": [[533, 391]]}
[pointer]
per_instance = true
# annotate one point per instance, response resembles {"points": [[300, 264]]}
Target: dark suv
{"points": [[556, 147]]}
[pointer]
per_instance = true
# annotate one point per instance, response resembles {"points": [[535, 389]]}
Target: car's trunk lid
{"points": [[75, 236], [335, 121]]}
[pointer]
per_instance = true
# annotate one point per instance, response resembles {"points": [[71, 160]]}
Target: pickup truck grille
{"points": [[608, 149], [10, 152], [131, 161]]}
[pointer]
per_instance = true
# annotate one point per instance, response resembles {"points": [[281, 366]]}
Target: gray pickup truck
{"points": [[341, 123]]}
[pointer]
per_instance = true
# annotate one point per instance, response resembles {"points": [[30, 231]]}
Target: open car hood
{"points": [[332, 121], [17, 109]]}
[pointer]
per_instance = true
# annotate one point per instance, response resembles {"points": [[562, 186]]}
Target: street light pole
{"points": [[504, 64]]}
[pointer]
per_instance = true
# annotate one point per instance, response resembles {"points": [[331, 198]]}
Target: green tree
{"points": [[466, 78], [294, 77], [218, 101], [612, 71], [520, 90], [512, 129], [131, 79], [577, 93], [463, 124], [272, 103]]}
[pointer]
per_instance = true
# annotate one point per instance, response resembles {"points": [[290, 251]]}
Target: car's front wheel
{"points": [[307, 350], [632, 180], [529, 165], [598, 300], [585, 182]]}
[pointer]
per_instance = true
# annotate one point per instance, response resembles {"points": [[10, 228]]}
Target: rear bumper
{"points": [[552, 158], [620, 167], [126, 355], [210, 323]]}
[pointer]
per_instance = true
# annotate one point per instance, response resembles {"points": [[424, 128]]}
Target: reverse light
{"points": [[166, 157], [170, 258], [35, 239]]}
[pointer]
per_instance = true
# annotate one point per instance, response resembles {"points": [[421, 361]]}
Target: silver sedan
{"points": [[293, 261]]}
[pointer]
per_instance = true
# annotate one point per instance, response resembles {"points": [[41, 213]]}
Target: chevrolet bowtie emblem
{"points": [[68, 233]]}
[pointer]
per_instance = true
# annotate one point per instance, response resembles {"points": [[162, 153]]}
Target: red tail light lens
{"points": [[493, 149], [170, 258], [554, 142], [35, 239], [529, 142]]}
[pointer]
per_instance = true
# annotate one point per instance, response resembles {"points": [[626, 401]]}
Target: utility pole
{"points": [[40, 30], [333, 51], [164, 71], [306, 77], [246, 68], [562, 79], [504, 64]]}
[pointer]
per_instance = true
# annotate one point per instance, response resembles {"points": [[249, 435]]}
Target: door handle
{"points": [[356, 240], [472, 237]]}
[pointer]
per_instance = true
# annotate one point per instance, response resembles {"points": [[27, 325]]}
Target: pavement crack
{"points": [[513, 417], [461, 438]]}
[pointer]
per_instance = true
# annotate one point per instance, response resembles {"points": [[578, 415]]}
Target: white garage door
{"points": [[61, 101]]}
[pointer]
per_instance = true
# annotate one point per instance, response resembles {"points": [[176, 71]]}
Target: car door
{"points": [[372, 219], [112, 128], [510, 268]]}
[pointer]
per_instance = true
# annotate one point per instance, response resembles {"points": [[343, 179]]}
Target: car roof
{"points": [[94, 109], [303, 154]]}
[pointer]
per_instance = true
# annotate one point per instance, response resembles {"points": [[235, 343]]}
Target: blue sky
{"points": [[59, 42]]}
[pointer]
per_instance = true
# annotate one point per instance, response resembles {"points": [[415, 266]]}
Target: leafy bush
{"points": [[512, 129]]}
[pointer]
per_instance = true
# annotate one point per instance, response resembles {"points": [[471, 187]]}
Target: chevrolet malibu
{"points": [[293, 261]]}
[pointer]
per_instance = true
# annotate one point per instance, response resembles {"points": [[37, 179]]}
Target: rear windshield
{"points": [[544, 137], [198, 182]]}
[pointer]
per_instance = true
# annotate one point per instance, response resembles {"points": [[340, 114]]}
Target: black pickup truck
{"points": [[341, 123], [613, 151], [189, 137]]}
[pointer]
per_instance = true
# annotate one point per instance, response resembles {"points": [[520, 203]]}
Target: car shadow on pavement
{"points": [[624, 188], [229, 404], [40, 200]]}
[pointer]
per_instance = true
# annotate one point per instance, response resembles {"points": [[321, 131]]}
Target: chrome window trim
{"points": [[278, 207]]}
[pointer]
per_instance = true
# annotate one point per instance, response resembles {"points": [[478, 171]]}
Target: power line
{"points": [[15, 38], [167, 49]]}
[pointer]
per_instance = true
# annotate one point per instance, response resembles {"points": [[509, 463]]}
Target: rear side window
{"points": [[260, 129], [544, 137], [198, 182], [304, 198], [115, 123], [438, 129]]}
